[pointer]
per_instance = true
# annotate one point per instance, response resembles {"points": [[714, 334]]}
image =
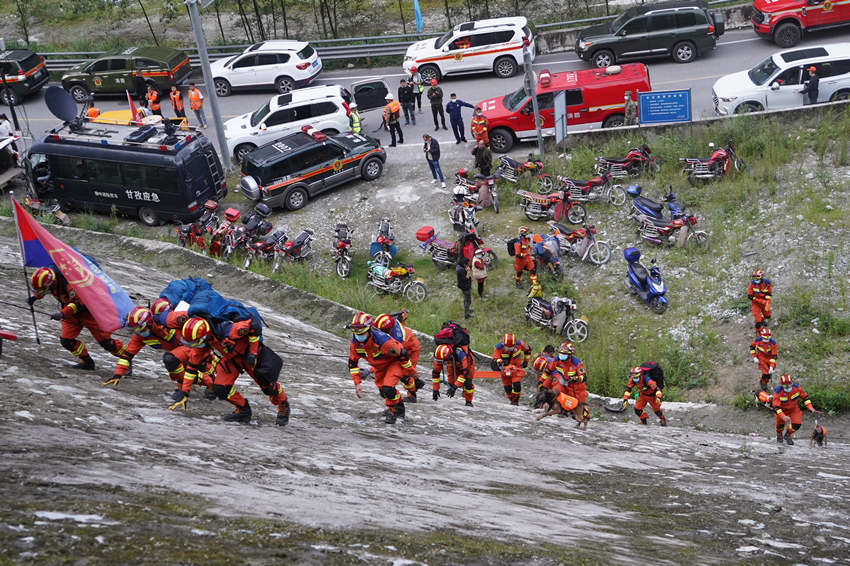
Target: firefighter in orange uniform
{"points": [[177, 102], [510, 356], [388, 324], [479, 126], [74, 316], [541, 362], [763, 350], [759, 292], [460, 369], [785, 404], [386, 355], [650, 392], [566, 374], [524, 257]]}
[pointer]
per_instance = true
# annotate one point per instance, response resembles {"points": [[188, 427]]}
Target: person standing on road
{"points": [[407, 101], [392, 114], [480, 126], [464, 283], [454, 107], [810, 91], [354, 118], [630, 109], [418, 86], [196, 103], [483, 157], [177, 102], [153, 100], [432, 156], [435, 95]]}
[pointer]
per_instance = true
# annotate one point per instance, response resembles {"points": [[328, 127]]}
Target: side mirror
{"points": [[263, 127], [774, 86], [621, 33]]}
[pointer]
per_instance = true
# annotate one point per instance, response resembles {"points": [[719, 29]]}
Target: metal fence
{"points": [[342, 48]]}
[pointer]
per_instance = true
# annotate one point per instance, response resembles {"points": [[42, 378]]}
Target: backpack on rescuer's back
{"points": [[511, 242], [655, 373], [452, 334]]}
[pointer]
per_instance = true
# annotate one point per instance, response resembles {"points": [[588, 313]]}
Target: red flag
{"points": [[133, 116]]}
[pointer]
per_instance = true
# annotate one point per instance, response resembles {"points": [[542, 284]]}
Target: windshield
{"points": [[443, 39], [763, 71], [617, 23], [514, 100], [259, 114]]}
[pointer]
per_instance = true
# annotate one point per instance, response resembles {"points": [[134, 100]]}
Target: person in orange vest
{"points": [[785, 404], [153, 100], [510, 356], [480, 126], [759, 292], [648, 378], [523, 260], [196, 103], [177, 102], [763, 350], [92, 112], [460, 370], [394, 328], [392, 112]]}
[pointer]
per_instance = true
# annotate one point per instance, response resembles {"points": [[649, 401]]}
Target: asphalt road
{"points": [[738, 50]]}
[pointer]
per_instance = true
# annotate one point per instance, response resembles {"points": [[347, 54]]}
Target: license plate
{"points": [[316, 63]]}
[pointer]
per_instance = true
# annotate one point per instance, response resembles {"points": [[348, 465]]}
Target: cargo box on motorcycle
{"points": [[232, 214], [631, 254], [425, 233]]}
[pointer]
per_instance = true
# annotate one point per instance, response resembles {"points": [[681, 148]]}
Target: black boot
{"points": [[788, 440], [399, 409], [177, 394], [283, 414], [389, 416], [418, 383], [662, 421], [209, 395], [86, 363], [240, 415], [469, 403], [779, 438], [643, 421]]}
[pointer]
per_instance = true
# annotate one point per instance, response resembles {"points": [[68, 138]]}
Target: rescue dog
{"points": [[546, 399], [818, 436]]}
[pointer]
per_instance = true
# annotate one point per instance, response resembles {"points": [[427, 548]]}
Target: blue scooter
{"points": [[646, 284], [652, 209]]}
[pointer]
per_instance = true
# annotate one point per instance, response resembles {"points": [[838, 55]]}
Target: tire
{"points": [[748, 107], [296, 198], [603, 58], [428, 72], [247, 263], [79, 93], [490, 260], [501, 140], [617, 195], [222, 87], [372, 169], [343, 267], [148, 216], [840, 95], [383, 258], [657, 306], [599, 253], [496, 203], [739, 164], [330, 132], [684, 52], [787, 35], [699, 239], [614, 121], [545, 184], [505, 67], [576, 213], [284, 85], [9, 97], [416, 292], [242, 150], [692, 180], [577, 330]]}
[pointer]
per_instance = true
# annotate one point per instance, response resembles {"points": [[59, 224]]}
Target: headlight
{"points": [[727, 98], [584, 44]]}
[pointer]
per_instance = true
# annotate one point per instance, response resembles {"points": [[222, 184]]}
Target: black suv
{"points": [[288, 172], [679, 29], [24, 73]]}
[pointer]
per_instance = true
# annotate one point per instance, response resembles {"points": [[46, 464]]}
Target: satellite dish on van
{"points": [[613, 69], [60, 103]]}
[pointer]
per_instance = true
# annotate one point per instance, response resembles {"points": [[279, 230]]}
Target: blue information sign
{"points": [[657, 107]]}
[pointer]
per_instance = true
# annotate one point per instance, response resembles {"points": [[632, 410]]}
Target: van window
{"points": [[463, 42], [526, 31], [277, 170], [574, 97], [30, 62], [244, 62], [147, 64], [322, 108], [283, 116], [789, 77], [636, 26], [160, 179], [68, 168], [266, 59], [833, 68], [103, 172], [319, 155], [305, 53], [546, 101], [100, 66], [689, 19], [6, 69], [282, 57], [662, 22]]}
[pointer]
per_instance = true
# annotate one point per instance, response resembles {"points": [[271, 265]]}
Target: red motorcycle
{"points": [[581, 243], [444, 254], [511, 170], [678, 230], [552, 206], [480, 190], [595, 189], [263, 249], [254, 226], [715, 167], [194, 233], [341, 249], [298, 249], [231, 216], [638, 160]]}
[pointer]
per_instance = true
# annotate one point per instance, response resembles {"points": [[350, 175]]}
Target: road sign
{"points": [[658, 107], [560, 116]]}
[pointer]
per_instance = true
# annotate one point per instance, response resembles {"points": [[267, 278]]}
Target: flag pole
{"points": [[24, 268]]}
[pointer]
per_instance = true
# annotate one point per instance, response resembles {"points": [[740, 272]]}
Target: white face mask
{"points": [[361, 337], [787, 387], [563, 357]]}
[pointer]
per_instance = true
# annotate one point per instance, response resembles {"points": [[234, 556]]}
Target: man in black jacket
{"points": [[483, 158], [811, 88], [432, 156], [408, 102], [435, 95], [464, 283]]}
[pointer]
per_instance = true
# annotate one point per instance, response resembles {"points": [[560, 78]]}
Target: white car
{"points": [[485, 45], [777, 81], [283, 64]]}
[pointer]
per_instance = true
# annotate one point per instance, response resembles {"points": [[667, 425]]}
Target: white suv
{"points": [[284, 64], [777, 81], [486, 45], [323, 107]]}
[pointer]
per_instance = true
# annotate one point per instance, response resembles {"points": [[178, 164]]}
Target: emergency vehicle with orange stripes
{"points": [[295, 168], [787, 21], [484, 45], [23, 73], [594, 99]]}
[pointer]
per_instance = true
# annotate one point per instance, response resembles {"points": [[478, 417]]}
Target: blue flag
{"points": [[417, 13]]}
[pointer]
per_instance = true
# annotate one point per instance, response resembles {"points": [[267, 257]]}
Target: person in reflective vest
{"points": [[354, 119], [153, 100], [177, 102], [196, 103]]}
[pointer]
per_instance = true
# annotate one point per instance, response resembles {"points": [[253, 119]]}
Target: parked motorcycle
{"points": [[714, 167], [263, 249], [581, 243], [654, 227], [547, 255], [218, 236], [552, 206], [638, 160], [511, 170], [341, 249], [595, 189], [558, 315], [383, 249], [481, 190], [646, 284], [298, 249], [445, 254], [398, 280], [197, 232], [253, 226], [642, 206], [462, 215]]}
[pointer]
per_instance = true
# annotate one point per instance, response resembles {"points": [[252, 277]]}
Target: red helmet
{"points": [[384, 322], [160, 306], [758, 274], [461, 172], [539, 363], [139, 318], [414, 68], [523, 230], [567, 348], [433, 82], [42, 280], [195, 332], [635, 373], [360, 323], [509, 340], [443, 352], [765, 333], [785, 380], [763, 396]]}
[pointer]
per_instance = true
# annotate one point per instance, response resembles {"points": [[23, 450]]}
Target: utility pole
{"points": [[531, 87], [208, 79]]}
